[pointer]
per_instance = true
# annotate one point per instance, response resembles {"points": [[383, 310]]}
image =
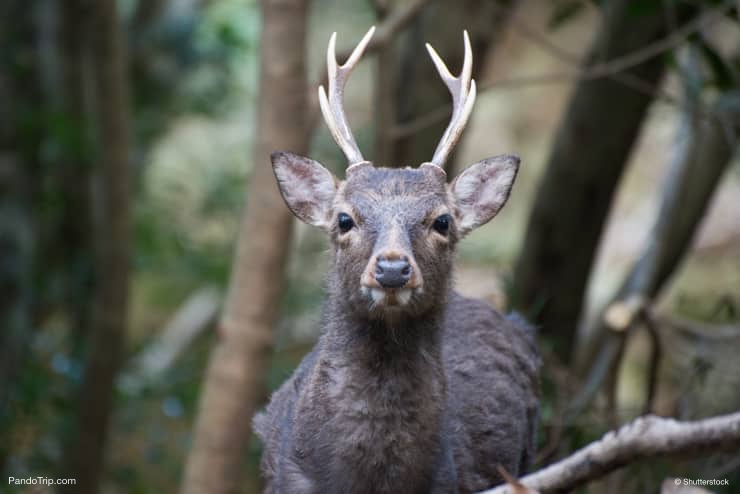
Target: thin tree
{"points": [[85, 452], [19, 169], [599, 128], [234, 381], [73, 174]]}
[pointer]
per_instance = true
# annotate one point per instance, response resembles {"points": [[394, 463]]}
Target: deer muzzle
{"points": [[391, 277]]}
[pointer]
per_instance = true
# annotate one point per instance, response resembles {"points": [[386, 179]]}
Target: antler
{"points": [[463, 93], [332, 107]]}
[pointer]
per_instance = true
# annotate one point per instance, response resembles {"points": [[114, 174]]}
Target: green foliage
{"points": [[639, 8], [723, 71], [194, 62], [66, 139], [153, 426], [197, 63], [42, 406], [230, 27], [197, 71]]}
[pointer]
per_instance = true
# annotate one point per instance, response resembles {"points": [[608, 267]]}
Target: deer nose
{"points": [[392, 273]]}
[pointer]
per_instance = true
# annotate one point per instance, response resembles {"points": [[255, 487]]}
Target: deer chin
{"points": [[389, 297]]}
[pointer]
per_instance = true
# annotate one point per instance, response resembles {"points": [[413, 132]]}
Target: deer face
{"points": [[394, 231]]}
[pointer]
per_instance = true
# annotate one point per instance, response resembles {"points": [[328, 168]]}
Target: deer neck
{"points": [[402, 365], [379, 345], [381, 390]]}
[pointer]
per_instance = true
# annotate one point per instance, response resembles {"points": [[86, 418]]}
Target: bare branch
{"points": [[381, 7], [656, 356], [395, 22], [544, 42], [386, 31], [693, 177], [637, 57], [614, 69], [645, 437], [621, 64], [697, 330]]}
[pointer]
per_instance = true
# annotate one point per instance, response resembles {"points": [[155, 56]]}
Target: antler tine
{"points": [[463, 93], [332, 107]]}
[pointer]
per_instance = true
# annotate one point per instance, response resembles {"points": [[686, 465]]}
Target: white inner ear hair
{"points": [[484, 188], [313, 191], [496, 187]]}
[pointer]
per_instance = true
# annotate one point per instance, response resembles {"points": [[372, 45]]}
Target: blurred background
{"points": [[154, 289]]}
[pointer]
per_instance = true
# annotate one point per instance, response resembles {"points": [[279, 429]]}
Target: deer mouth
{"points": [[391, 297]]}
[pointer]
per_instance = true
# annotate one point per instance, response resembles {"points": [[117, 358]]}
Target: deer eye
{"points": [[345, 222], [442, 224]]}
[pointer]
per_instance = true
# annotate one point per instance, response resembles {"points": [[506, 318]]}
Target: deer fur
{"points": [[408, 390]]}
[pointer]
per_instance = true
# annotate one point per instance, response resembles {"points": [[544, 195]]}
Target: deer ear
{"points": [[307, 187], [482, 189]]}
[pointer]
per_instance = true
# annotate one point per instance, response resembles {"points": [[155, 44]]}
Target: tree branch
{"points": [[392, 24], [615, 69], [692, 180], [645, 437], [656, 356]]}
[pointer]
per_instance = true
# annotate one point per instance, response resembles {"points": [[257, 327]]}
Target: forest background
{"points": [[154, 288]]}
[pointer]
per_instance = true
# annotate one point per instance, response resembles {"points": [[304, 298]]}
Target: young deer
{"points": [[411, 387]]}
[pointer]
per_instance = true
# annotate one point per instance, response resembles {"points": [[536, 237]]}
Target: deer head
{"points": [[393, 230]]}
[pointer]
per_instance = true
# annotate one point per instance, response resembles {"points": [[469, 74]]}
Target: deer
{"points": [[411, 387]]}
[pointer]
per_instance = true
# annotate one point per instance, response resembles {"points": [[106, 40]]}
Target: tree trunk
{"points": [[147, 12], [73, 173], [694, 177], [687, 196], [20, 140], [418, 88], [234, 381], [86, 451], [591, 149]]}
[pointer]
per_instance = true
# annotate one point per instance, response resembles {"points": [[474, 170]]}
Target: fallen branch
{"points": [[645, 437]]}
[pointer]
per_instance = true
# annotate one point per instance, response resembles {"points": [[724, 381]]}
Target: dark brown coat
{"points": [[426, 392]]}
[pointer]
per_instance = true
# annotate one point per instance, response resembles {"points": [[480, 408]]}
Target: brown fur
{"points": [[429, 396]]}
